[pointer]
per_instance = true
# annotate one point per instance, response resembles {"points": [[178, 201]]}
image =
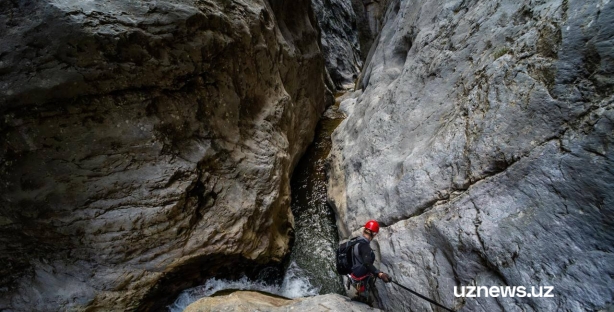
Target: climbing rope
{"points": [[421, 296]]}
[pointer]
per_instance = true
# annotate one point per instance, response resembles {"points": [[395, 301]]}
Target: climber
{"points": [[363, 272]]}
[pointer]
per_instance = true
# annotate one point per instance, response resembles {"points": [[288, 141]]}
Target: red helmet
{"points": [[372, 225]]}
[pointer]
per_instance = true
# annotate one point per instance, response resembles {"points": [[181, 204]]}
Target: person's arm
{"points": [[367, 260]]}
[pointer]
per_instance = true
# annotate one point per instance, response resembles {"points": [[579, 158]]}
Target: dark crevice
{"points": [[197, 193]]}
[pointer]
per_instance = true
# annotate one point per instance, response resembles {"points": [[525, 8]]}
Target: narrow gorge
{"points": [[155, 152]]}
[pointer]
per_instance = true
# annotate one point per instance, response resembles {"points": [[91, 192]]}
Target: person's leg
{"points": [[374, 300]]}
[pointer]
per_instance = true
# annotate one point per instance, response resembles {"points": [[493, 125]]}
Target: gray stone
{"points": [[255, 301], [348, 29], [141, 139], [339, 39], [482, 142], [369, 17]]}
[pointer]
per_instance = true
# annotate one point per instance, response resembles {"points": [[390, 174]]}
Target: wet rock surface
{"points": [[148, 145], [483, 143], [255, 301]]}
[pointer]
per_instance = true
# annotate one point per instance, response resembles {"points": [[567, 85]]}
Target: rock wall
{"points": [[370, 16], [483, 143], [339, 37], [147, 145], [348, 29]]}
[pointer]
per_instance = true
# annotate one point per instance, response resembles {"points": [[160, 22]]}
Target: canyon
{"points": [[149, 146]]}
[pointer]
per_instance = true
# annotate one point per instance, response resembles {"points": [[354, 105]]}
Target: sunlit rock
{"points": [[255, 301], [483, 143]]}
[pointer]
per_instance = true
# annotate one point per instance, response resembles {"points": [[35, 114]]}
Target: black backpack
{"points": [[344, 256]]}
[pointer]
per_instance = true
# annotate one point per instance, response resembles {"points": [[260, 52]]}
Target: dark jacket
{"points": [[363, 258]]}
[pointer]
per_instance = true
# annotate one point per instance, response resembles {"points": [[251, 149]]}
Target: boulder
{"points": [[256, 301], [482, 141], [148, 145]]}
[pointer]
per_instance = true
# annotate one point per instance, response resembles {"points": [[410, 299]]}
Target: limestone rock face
{"points": [[255, 301], [483, 143], [147, 145], [339, 38], [370, 18], [348, 29], [374, 11]]}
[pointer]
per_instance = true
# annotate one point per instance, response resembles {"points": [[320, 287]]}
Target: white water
{"points": [[294, 285]]}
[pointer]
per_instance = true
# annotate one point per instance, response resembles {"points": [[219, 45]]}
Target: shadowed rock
{"points": [[339, 38], [148, 145]]}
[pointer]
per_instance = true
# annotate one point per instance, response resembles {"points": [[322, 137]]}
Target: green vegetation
{"points": [[501, 52]]}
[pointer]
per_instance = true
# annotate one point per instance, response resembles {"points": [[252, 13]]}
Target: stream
{"points": [[310, 269], [316, 235]]}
